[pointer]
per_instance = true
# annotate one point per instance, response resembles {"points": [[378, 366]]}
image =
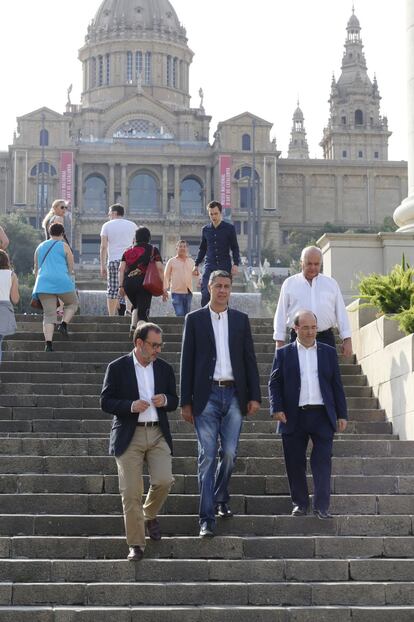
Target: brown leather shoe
{"points": [[135, 554], [153, 529]]}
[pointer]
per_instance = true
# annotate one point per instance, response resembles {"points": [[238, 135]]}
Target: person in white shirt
{"points": [[138, 390], [308, 400], [178, 276], [320, 294], [116, 236]]}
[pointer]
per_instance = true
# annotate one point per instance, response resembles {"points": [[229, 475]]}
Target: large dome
{"points": [[125, 18]]}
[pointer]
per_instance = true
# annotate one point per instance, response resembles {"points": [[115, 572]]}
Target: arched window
{"points": [[93, 72], [143, 194], [192, 197], [44, 138], [148, 68], [246, 142], [94, 194], [138, 65], [108, 68], [359, 117], [100, 70], [43, 167], [129, 68], [169, 70], [244, 177]]}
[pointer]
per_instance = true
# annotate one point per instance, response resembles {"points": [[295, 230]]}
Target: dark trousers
{"points": [[139, 297], [325, 336], [312, 424]]}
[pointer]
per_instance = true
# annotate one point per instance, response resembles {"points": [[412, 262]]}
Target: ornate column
{"points": [[164, 190], [124, 185], [79, 190], [111, 189], [207, 196], [404, 214], [177, 189]]}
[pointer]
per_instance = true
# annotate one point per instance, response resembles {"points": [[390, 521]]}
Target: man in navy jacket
{"points": [[308, 400], [218, 239], [138, 390], [219, 384]]}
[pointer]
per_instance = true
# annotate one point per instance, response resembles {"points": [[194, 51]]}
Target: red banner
{"points": [[66, 176], [225, 181]]}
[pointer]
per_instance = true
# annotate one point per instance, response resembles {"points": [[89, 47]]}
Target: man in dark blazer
{"points": [[138, 390], [219, 384], [218, 240], [308, 400]]}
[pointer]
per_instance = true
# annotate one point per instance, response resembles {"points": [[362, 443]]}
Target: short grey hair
{"points": [[220, 274], [310, 249]]}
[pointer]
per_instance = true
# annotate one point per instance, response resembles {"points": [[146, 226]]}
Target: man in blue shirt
{"points": [[218, 239]]}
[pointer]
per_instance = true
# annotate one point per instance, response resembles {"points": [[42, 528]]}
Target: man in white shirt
{"points": [[320, 294], [138, 390], [219, 384], [308, 400], [116, 236], [178, 277]]}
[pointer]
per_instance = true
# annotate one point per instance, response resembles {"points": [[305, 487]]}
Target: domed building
{"points": [[135, 138]]}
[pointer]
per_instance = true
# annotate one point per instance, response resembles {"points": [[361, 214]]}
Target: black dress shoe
{"points": [[48, 347], [153, 529], [206, 530], [135, 554], [62, 329], [322, 514], [223, 510], [298, 511]]}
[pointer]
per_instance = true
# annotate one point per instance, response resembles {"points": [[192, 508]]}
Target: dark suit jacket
{"points": [[198, 359], [284, 385], [120, 389]]}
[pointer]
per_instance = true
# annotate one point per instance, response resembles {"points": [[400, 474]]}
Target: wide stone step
{"points": [[27, 339], [206, 613], [220, 547], [201, 570], [211, 593], [104, 503], [188, 465], [188, 484], [248, 448], [187, 525]]}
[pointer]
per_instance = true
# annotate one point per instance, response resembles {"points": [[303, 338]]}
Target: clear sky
{"points": [[256, 55]]}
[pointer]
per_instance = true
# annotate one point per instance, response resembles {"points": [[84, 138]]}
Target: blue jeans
{"points": [[221, 420], [181, 303]]}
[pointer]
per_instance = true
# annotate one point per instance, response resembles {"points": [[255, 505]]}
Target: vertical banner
{"points": [[66, 176], [225, 183]]}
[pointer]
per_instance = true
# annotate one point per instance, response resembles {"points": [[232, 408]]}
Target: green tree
{"points": [[23, 242]]}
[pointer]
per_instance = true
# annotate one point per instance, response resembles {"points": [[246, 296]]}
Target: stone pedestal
{"points": [[346, 257]]}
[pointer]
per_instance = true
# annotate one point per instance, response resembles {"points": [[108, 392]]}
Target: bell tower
{"points": [[356, 130]]}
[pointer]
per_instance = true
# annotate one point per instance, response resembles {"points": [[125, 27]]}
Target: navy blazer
{"points": [[198, 359], [284, 385], [120, 389]]}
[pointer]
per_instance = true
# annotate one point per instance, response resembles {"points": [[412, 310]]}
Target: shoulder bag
{"points": [[153, 283]]}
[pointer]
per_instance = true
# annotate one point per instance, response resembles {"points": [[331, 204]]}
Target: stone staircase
{"points": [[62, 549]]}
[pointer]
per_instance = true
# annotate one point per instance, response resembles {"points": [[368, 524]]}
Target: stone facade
{"points": [[135, 139]]}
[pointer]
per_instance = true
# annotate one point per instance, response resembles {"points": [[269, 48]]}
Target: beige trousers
{"points": [[147, 445]]}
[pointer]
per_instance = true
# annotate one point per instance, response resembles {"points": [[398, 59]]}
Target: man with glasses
{"points": [[138, 390]]}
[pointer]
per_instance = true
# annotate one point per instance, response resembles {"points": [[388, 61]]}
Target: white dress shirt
{"points": [[223, 369], [323, 297], [145, 380], [310, 390]]}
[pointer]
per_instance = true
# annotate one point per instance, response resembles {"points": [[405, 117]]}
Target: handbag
{"points": [[35, 301], [152, 282]]}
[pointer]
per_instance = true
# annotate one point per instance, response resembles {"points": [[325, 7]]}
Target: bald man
{"points": [[308, 400]]}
